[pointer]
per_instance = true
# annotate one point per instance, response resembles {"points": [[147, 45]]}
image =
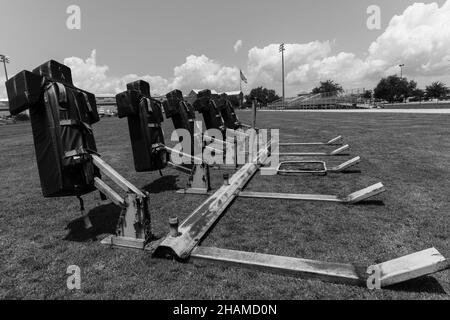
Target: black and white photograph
{"points": [[225, 158]]}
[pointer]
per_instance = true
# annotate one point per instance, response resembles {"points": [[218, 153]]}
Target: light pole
{"points": [[282, 69], [5, 60], [401, 70]]}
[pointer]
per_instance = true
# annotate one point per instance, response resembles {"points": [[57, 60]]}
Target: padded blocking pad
{"points": [[144, 123], [181, 112], [63, 142], [55, 71], [207, 107], [24, 91], [61, 117], [140, 86], [127, 103], [227, 112]]}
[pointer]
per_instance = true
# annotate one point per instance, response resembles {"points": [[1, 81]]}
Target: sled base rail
{"points": [[336, 152], [335, 141], [352, 198], [395, 271]]}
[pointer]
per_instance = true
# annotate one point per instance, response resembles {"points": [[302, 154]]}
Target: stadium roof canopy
{"points": [[196, 91], [232, 93], [105, 95]]}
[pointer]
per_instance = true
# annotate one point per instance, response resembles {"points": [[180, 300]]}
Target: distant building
{"points": [[106, 103], [192, 96], [236, 97], [4, 108], [303, 94]]}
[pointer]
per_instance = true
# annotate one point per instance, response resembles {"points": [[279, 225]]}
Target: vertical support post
{"points": [[86, 220], [199, 180], [173, 227], [282, 73], [254, 114], [5, 60], [6, 72], [226, 179]]}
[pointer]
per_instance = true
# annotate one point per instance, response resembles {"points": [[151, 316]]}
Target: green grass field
{"points": [[40, 238]]}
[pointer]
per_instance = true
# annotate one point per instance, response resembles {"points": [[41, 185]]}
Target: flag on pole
{"points": [[243, 78]]}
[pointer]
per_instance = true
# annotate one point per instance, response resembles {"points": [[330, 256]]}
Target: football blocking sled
{"points": [[183, 117], [67, 160], [147, 138]]}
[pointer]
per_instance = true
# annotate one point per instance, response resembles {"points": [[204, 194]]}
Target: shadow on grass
{"points": [[342, 155], [350, 171], [369, 203], [165, 183], [426, 284], [104, 220]]}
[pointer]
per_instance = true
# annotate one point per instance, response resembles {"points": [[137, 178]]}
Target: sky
{"points": [[196, 44]]}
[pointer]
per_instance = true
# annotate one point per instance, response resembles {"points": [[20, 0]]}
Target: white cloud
{"points": [[419, 38], [237, 45], [88, 75], [264, 64], [199, 72]]}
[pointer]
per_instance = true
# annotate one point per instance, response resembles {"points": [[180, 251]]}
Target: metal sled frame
{"points": [[199, 183], [204, 138], [322, 171], [183, 243], [134, 225]]}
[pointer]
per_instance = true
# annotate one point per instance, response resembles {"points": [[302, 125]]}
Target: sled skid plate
{"points": [[345, 165], [124, 242]]}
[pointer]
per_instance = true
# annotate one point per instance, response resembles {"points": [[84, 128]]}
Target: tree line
{"points": [[391, 89], [396, 89]]}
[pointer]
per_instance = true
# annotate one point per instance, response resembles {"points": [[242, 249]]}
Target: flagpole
{"points": [[240, 81], [240, 89]]}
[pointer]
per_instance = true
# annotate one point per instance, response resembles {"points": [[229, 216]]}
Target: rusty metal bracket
{"points": [[134, 226]]}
